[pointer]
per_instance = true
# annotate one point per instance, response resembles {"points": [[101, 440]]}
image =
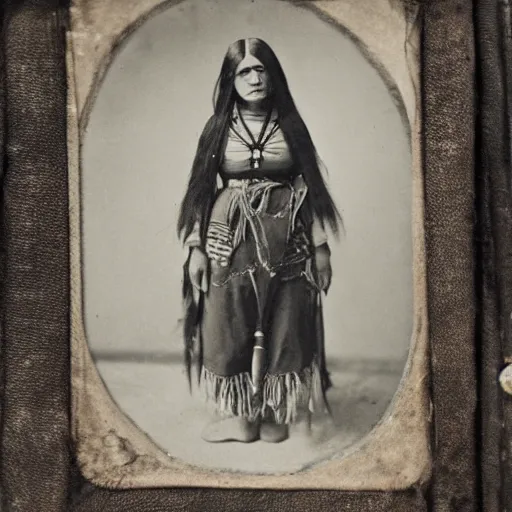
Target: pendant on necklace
{"points": [[255, 158]]}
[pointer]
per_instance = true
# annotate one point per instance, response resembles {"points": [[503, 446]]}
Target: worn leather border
{"points": [[36, 463], [494, 199], [449, 128]]}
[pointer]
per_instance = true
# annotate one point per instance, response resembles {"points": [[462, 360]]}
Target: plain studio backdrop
{"points": [[137, 153]]}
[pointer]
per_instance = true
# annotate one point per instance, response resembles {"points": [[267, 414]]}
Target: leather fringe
{"points": [[283, 397]]}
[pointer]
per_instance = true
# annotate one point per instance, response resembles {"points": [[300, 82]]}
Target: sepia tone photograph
{"points": [[255, 255], [246, 240]]}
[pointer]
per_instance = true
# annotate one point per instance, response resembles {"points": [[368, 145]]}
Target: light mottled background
{"points": [[136, 157]]}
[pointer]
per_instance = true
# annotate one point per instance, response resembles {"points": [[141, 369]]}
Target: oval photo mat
{"points": [[137, 148]]}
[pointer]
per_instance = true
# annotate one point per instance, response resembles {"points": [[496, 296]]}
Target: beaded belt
{"points": [[240, 182]]}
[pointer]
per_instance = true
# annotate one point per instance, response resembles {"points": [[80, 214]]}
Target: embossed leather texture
{"points": [[36, 463], [449, 107], [35, 452]]}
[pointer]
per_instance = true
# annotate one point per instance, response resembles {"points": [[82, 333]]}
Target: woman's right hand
{"points": [[198, 269]]}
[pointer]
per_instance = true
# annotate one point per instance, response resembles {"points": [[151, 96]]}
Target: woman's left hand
{"points": [[323, 267]]}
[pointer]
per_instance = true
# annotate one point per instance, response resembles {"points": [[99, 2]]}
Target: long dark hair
{"points": [[201, 192]]}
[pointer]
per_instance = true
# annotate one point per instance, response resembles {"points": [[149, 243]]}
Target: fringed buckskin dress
{"points": [[265, 294]]}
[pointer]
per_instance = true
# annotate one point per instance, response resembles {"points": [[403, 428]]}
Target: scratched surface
{"points": [[111, 449]]}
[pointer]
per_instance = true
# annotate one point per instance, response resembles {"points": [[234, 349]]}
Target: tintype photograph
{"points": [[247, 246], [255, 255]]}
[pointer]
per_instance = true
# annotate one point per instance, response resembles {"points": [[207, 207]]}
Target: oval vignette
{"points": [[137, 152]]}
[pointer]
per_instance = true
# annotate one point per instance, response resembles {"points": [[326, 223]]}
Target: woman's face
{"points": [[252, 82]]}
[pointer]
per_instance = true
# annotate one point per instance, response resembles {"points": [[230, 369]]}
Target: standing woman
{"points": [[258, 254]]}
